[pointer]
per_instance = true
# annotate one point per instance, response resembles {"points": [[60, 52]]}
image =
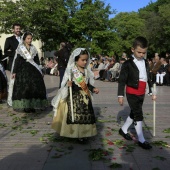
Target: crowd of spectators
{"points": [[160, 69], [107, 68], [49, 66]]}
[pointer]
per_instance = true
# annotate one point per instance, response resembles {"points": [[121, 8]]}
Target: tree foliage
{"points": [[127, 26], [88, 24]]}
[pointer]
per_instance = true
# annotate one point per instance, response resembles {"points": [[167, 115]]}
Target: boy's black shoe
{"points": [[126, 136], [145, 145]]}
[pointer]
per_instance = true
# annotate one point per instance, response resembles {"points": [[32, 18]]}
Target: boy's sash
{"points": [[29, 58], [80, 80]]}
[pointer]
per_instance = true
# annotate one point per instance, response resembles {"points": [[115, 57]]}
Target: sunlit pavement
{"points": [[27, 142]]}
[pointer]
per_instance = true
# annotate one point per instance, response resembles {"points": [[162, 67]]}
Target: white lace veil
{"points": [[63, 91], [18, 51]]}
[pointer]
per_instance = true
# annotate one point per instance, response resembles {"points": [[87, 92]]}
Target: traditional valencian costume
{"points": [[3, 83], [27, 90], [83, 113]]}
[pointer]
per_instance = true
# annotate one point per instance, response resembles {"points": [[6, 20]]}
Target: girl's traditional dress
{"points": [[3, 83], [28, 90], [84, 118]]}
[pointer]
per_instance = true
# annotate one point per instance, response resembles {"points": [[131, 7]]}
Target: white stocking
{"points": [[139, 132], [126, 125]]}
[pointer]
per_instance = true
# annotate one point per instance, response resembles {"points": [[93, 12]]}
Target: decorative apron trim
{"points": [[80, 80]]}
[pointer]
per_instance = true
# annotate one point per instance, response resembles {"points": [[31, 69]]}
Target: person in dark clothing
{"points": [[63, 56], [28, 91], [167, 75], [3, 81], [3, 61], [11, 44]]}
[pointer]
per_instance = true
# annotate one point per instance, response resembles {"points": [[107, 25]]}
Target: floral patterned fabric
{"points": [[82, 108]]}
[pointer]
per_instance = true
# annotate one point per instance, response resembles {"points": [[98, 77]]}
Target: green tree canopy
{"points": [[87, 23]]}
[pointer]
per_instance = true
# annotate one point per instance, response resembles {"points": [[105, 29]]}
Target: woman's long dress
{"points": [[84, 118], [29, 89], [3, 84]]}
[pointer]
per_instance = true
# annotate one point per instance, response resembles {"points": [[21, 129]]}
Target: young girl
{"points": [[82, 123]]}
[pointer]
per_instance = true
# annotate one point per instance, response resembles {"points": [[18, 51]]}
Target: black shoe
{"points": [[126, 136], [145, 145]]}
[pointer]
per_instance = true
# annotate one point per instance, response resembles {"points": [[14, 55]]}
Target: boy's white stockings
{"points": [[138, 128], [139, 132], [126, 125]]}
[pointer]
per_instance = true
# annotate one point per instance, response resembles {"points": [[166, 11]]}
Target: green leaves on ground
{"points": [[160, 143], [2, 125], [119, 142], [166, 130], [97, 154], [115, 166], [160, 158], [32, 132], [51, 137], [62, 151]]}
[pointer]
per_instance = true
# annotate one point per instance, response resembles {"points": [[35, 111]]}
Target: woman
{"points": [[81, 123], [29, 92], [3, 82]]}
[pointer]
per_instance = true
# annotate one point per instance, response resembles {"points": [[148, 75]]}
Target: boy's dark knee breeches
{"points": [[135, 103], [136, 116]]}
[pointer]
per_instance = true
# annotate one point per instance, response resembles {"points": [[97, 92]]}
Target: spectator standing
{"points": [[154, 68], [63, 55], [11, 44]]}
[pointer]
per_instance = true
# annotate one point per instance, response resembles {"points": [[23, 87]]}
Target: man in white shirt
{"points": [[11, 44]]}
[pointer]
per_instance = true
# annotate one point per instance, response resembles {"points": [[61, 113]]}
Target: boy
{"points": [[135, 74]]}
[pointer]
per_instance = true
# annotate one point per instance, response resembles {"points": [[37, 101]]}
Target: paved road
{"points": [[27, 142]]}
